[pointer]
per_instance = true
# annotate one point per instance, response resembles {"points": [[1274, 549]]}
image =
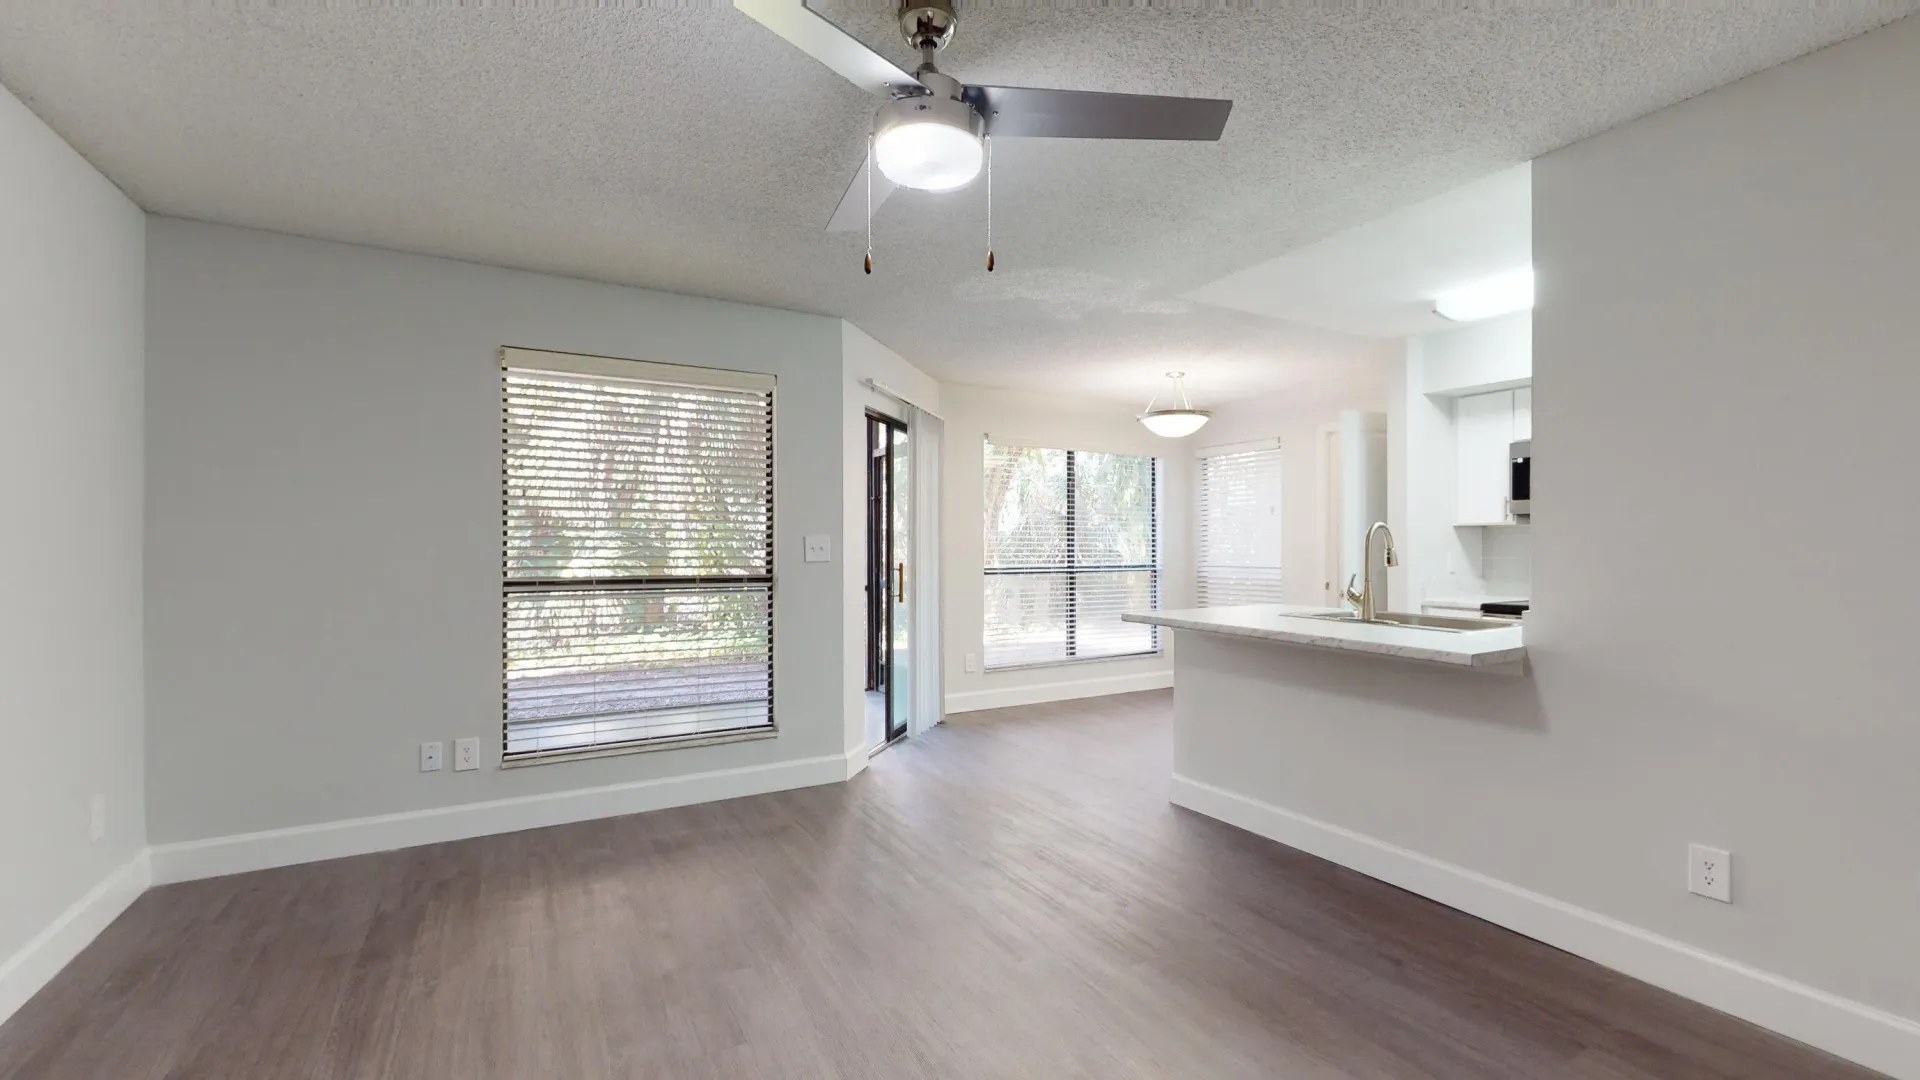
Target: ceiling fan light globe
{"points": [[1175, 423], [928, 155]]}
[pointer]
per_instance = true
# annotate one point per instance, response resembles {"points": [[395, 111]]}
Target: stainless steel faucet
{"points": [[1364, 599]]}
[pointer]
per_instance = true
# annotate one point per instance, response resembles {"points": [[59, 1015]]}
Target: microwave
{"points": [[1520, 479]]}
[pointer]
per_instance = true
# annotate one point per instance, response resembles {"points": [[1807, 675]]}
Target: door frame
{"points": [[881, 549]]}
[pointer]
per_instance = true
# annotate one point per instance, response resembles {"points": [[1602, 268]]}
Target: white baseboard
{"points": [[1002, 697], [39, 960], [1849, 1029], [222, 855]]}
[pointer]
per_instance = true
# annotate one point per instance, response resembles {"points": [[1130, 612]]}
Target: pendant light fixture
{"points": [[1175, 423]]}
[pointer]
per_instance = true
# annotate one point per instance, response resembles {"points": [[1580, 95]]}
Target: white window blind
{"points": [[1072, 541], [1239, 512], [638, 553]]}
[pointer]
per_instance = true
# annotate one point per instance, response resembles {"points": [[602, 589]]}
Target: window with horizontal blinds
{"points": [[638, 554], [1239, 528], [1072, 542]]}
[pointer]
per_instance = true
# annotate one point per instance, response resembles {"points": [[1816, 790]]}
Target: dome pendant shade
{"points": [[1175, 423]]}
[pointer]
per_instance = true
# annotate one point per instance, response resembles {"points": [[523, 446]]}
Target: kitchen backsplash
{"points": [[1506, 561]]}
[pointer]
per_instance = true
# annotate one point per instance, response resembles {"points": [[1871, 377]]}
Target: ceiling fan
{"points": [[928, 134]]}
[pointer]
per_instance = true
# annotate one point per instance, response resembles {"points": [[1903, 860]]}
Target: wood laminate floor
{"points": [[1007, 896]]}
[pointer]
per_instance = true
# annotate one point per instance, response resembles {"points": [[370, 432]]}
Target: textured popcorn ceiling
{"points": [[687, 148]]}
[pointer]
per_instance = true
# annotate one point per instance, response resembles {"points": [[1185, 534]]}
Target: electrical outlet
{"points": [[819, 548], [430, 756], [973, 661], [1710, 873], [97, 818], [466, 754]]}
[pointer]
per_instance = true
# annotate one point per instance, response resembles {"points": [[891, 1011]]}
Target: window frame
{"points": [[1072, 568], [692, 377]]}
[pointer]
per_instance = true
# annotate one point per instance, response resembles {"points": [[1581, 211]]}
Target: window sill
{"points": [[1074, 661], [551, 757]]}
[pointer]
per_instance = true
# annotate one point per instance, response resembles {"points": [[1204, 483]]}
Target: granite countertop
{"points": [[1282, 623]]}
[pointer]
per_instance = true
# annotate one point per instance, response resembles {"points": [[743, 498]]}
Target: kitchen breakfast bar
{"points": [[1494, 648], [1362, 742]]}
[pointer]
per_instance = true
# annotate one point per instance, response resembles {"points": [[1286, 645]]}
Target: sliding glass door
{"points": [[890, 607]]}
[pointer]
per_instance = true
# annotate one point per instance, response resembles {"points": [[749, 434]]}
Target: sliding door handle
{"points": [[900, 583]]}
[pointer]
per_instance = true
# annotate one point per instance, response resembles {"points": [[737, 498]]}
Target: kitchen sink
{"points": [[1446, 624]]}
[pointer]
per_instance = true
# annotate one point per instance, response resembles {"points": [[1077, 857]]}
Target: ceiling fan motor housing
{"points": [[941, 105], [927, 24]]}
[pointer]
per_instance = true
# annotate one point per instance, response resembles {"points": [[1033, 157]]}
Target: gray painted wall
{"points": [[1724, 389], [70, 305], [1725, 379], [324, 521]]}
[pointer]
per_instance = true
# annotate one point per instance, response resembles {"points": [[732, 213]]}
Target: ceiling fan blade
{"points": [[851, 214], [811, 33], [1083, 114]]}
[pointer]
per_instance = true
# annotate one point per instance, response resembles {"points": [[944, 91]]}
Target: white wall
{"points": [[1298, 418], [1726, 378], [71, 310], [1436, 559], [323, 521], [864, 358], [1496, 354], [972, 413]]}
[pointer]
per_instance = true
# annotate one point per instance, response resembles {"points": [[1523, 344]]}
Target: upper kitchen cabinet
{"points": [[1485, 427]]}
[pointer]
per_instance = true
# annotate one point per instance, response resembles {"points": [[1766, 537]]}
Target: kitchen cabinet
{"points": [[1483, 432], [1523, 413]]}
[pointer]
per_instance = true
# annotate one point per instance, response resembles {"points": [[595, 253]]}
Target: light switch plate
{"points": [[466, 754], [819, 548], [973, 661], [430, 756]]}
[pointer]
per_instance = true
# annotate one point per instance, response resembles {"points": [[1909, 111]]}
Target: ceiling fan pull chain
{"points": [[989, 142], [869, 263]]}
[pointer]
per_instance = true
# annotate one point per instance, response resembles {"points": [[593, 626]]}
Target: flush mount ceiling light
{"points": [[1175, 423], [1500, 294]]}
